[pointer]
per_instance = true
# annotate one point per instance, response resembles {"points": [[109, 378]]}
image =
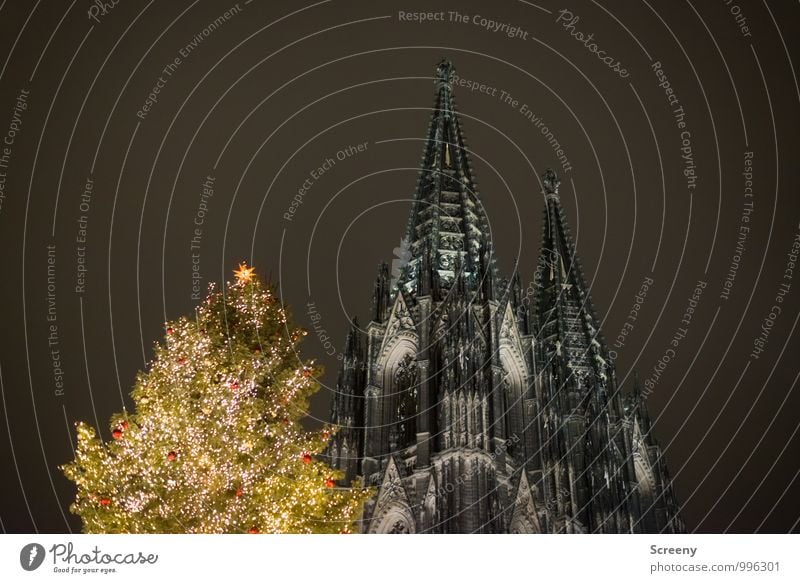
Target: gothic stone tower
{"points": [[469, 412]]}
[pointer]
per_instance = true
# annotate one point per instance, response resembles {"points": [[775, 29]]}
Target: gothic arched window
{"points": [[404, 432], [513, 398], [446, 421]]}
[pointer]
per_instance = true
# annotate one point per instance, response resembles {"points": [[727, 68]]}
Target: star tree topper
{"points": [[244, 274]]}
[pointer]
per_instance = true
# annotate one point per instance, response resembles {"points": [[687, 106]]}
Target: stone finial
{"points": [[444, 73], [551, 182]]}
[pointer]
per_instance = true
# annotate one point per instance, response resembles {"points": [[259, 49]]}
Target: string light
{"points": [[215, 444]]}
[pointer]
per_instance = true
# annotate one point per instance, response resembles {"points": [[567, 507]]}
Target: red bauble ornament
{"points": [[252, 530], [181, 360], [233, 385], [172, 456], [104, 501], [306, 458], [306, 373], [329, 483], [116, 434], [325, 435], [124, 425], [238, 492], [169, 330]]}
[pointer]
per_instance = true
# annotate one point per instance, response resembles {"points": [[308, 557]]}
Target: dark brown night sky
{"points": [[277, 88]]}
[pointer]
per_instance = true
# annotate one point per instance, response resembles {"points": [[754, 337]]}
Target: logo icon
{"points": [[31, 556]]}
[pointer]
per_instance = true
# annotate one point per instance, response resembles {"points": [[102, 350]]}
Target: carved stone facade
{"points": [[471, 408]]}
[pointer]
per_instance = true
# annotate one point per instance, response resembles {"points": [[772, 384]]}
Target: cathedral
{"points": [[470, 407]]}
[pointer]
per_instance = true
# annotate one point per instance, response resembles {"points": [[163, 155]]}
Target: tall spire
{"points": [[447, 223], [567, 325], [457, 372]]}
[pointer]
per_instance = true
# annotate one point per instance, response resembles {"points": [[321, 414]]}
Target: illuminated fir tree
{"points": [[215, 444]]}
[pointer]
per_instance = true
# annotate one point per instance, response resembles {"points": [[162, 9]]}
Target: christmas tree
{"points": [[215, 444]]}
